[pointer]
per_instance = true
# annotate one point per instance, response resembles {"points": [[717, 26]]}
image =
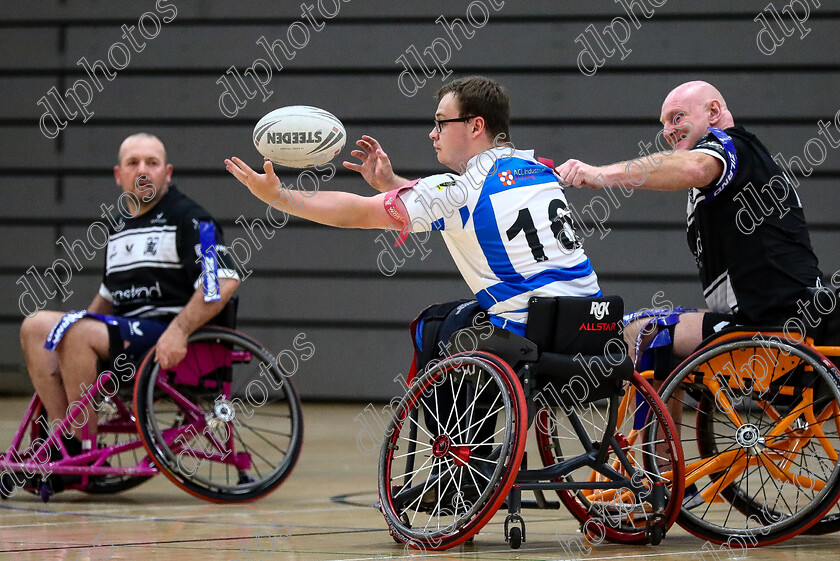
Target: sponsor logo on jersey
{"points": [[151, 245], [506, 178], [599, 309], [444, 185], [159, 219], [137, 292], [526, 172], [301, 137]]}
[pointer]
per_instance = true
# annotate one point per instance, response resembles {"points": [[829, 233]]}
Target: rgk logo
{"points": [[599, 309]]}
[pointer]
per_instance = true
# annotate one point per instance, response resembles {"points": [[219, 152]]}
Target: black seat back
{"points": [[580, 342], [571, 325], [226, 317]]}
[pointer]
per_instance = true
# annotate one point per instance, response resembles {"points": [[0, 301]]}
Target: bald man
{"points": [[753, 271], [150, 291]]}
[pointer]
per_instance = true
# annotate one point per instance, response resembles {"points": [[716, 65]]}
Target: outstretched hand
{"points": [[264, 186], [579, 174], [375, 166]]}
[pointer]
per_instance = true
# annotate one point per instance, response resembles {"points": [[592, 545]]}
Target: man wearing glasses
{"points": [[503, 214]]}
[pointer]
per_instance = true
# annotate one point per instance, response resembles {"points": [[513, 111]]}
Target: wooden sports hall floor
{"points": [[324, 510]]}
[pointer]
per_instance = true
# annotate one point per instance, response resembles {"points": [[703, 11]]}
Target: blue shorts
{"points": [[133, 336]]}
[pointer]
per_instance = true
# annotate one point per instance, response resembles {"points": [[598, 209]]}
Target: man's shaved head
{"points": [[140, 136], [142, 169], [697, 91], [690, 109]]}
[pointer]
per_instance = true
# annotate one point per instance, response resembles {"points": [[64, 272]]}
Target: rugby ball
{"points": [[299, 136]]}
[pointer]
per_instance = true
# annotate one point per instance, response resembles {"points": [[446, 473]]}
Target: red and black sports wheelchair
{"points": [[454, 453]]}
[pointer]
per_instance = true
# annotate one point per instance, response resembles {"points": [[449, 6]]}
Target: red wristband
{"points": [[391, 208]]}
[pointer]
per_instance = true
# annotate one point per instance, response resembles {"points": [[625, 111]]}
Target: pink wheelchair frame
{"points": [[220, 362]]}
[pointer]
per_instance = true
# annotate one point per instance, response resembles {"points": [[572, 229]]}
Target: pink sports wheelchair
{"points": [[225, 425]]}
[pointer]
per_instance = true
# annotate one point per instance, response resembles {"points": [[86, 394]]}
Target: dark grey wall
{"points": [[324, 282]]}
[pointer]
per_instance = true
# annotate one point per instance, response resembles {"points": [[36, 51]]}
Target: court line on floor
{"points": [[118, 517], [186, 541], [396, 555], [522, 552], [331, 529], [534, 549]]}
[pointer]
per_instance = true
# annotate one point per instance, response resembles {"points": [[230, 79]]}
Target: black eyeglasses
{"points": [[439, 123]]}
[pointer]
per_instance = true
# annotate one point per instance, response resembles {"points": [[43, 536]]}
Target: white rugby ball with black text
{"points": [[299, 136]]}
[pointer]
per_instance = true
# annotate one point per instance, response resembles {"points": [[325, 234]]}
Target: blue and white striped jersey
{"points": [[507, 224]]}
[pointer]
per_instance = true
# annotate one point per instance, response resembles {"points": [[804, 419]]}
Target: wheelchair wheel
{"points": [[646, 435], [225, 425], [452, 451], [830, 522], [760, 432]]}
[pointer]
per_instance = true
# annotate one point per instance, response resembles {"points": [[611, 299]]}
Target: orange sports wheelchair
{"points": [[225, 425], [759, 422]]}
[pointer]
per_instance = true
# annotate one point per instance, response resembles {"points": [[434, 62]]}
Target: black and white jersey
{"points": [[748, 234], [152, 266]]}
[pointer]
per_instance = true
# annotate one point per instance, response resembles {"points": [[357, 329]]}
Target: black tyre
{"points": [[226, 424], [515, 537], [655, 534]]}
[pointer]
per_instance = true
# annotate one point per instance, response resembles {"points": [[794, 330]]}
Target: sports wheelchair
{"points": [[454, 452], [225, 425], [760, 426]]}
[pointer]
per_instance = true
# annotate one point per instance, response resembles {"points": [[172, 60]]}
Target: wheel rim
{"points": [[620, 516], [830, 521], [759, 430], [444, 474], [233, 435]]}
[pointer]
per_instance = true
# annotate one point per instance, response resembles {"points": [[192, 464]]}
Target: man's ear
{"points": [[715, 112], [117, 176], [479, 125]]}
